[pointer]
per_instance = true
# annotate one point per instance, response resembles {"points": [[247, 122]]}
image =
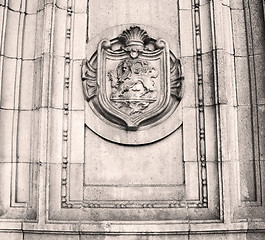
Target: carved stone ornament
{"points": [[133, 80]]}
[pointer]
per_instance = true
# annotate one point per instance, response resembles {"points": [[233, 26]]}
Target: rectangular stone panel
{"points": [[245, 133], [109, 163], [76, 178], [107, 14], [248, 181], [140, 172]]}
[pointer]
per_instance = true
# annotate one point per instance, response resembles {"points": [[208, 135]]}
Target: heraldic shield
{"points": [[131, 79]]}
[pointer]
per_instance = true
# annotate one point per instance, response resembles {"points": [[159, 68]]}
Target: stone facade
{"points": [[84, 156]]}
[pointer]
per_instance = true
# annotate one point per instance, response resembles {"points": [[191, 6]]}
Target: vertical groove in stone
{"points": [[17, 184], [66, 93], [215, 22], [247, 111], [2, 42], [201, 117], [42, 93]]}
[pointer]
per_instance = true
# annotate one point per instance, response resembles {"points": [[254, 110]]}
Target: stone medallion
{"points": [[132, 81]]}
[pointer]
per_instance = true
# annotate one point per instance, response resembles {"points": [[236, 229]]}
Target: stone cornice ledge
{"points": [[108, 228]]}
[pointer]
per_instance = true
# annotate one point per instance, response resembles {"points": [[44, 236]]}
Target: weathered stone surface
{"points": [[70, 169]]}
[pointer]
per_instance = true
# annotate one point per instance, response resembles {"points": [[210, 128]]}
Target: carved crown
{"points": [[135, 36]]}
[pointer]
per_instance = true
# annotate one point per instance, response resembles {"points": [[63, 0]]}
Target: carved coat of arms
{"points": [[132, 79]]}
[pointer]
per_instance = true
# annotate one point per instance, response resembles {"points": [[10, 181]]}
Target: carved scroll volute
{"points": [[89, 78], [176, 79], [134, 83]]}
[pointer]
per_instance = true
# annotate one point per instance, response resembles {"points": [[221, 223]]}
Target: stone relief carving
{"points": [[133, 86], [132, 79]]}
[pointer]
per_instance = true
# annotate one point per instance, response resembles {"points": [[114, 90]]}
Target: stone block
{"points": [[248, 172], [78, 98], [59, 32], [208, 79], [135, 237], [237, 4], [221, 88], [227, 29], [57, 83], [76, 176], [29, 36], [192, 180], [257, 26], [189, 82], [11, 235], [255, 236], [245, 133], [15, 5], [229, 80], [11, 34], [39, 34], [81, 6], [24, 136], [155, 14], [208, 236], [27, 85], [190, 135], [56, 236], [206, 28], [210, 133], [79, 36], [5, 178], [261, 117], [43, 71], [243, 80], [212, 188], [33, 7], [55, 180], [186, 33], [2, 17], [8, 85], [77, 137], [239, 33], [260, 77], [22, 186], [37, 93], [161, 162], [56, 136], [184, 5], [62, 4], [6, 129]]}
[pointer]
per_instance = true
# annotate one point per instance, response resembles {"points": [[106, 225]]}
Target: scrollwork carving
{"points": [[89, 78]]}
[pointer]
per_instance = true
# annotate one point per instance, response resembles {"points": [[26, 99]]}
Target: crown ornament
{"points": [[134, 39]]}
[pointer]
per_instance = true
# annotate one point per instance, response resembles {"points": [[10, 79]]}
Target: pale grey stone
{"points": [[243, 81], [57, 85], [9, 80], [239, 33], [68, 172], [29, 37], [59, 35], [206, 33], [186, 42], [11, 35], [79, 35], [11, 236], [29, 236]]}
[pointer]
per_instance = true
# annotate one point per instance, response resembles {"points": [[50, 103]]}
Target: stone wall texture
{"points": [[61, 180]]}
